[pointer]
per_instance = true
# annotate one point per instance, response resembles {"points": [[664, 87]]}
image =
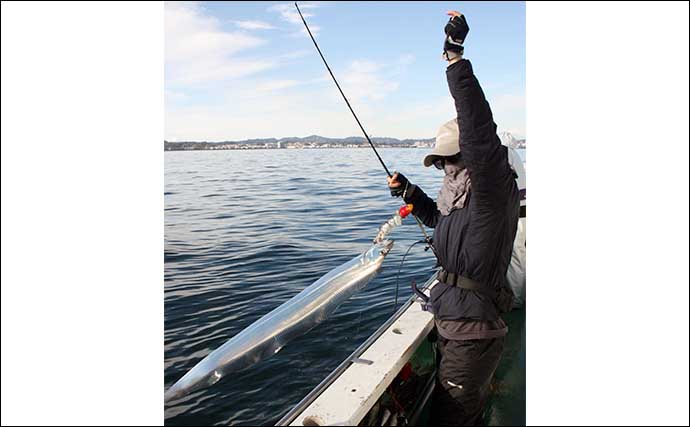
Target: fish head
{"points": [[202, 375]]}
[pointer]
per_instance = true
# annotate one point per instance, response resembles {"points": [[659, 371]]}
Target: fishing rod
{"points": [[427, 239], [341, 92]]}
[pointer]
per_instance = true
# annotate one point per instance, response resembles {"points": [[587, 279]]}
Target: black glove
{"points": [[399, 190], [456, 30]]}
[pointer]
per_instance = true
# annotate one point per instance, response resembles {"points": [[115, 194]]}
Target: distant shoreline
{"points": [[298, 149], [291, 148], [308, 143]]}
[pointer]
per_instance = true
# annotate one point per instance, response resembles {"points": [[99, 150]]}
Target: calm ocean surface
{"points": [[247, 230]]}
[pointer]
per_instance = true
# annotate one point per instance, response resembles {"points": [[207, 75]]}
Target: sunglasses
{"points": [[440, 162]]}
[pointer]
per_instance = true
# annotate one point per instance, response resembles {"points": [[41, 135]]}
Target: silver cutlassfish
{"points": [[295, 317]]}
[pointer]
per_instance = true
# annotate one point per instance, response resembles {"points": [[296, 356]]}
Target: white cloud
{"points": [[435, 112], [244, 105], [254, 25], [301, 113], [316, 108], [282, 113], [311, 4], [309, 106], [275, 85], [509, 112], [508, 102], [303, 32], [198, 50], [213, 70], [296, 54], [365, 79], [289, 13]]}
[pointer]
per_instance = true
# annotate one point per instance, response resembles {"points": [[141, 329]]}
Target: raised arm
{"points": [[481, 149]]}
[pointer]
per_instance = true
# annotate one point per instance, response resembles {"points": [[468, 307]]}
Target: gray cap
{"points": [[447, 142]]}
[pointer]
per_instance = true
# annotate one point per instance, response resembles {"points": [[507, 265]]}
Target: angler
{"points": [[475, 218]]}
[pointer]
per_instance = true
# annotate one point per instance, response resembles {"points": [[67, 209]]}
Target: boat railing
{"points": [[293, 413]]}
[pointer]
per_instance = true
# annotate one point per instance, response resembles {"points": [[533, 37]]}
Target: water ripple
{"points": [[241, 239]]}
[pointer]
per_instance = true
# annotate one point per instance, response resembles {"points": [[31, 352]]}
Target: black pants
{"points": [[462, 383]]}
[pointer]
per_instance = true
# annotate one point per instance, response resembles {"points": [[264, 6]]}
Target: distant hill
{"points": [[311, 141], [316, 141]]}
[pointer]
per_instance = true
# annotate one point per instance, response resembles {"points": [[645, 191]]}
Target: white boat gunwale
{"points": [[304, 412]]}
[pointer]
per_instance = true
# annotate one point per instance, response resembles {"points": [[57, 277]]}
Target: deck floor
{"points": [[507, 404]]}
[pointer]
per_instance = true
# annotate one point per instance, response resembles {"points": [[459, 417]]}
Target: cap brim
{"points": [[438, 153], [429, 159]]}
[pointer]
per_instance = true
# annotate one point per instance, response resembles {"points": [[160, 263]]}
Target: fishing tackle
{"points": [[343, 94], [405, 210]]}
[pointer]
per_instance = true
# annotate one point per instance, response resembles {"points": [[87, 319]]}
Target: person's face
{"points": [[449, 164]]}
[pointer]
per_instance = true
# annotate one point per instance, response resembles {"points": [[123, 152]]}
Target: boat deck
{"points": [[354, 393], [350, 397]]}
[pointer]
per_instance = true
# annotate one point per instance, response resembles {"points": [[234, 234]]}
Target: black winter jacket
{"points": [[476, 241]]}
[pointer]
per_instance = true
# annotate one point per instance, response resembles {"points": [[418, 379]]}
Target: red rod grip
{"points": [[405, 210]]}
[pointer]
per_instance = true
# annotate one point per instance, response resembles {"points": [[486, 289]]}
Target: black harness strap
{"points": [[452, 279]]}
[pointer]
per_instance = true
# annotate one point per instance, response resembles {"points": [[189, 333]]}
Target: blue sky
{"points": [[239, 70]]}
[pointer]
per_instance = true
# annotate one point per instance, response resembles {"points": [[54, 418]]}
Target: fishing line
{"points": [[343, 94], [397, 277]]}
